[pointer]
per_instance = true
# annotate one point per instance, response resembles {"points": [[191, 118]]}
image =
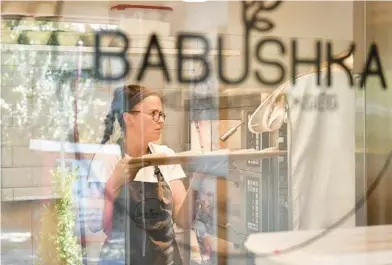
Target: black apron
{"points": [[142, 226]]}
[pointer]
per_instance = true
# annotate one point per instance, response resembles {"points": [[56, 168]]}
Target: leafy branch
{"points": [[58, 243]]}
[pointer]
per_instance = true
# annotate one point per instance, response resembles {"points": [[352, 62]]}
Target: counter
{"points": [[370, 245]]}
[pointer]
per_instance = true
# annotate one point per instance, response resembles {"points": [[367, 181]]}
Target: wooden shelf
{"points": [[132, 50]]}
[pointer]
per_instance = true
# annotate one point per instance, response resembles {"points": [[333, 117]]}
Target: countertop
{"points": [[371, 245]]}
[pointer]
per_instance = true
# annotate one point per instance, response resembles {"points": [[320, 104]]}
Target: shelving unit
{"points": [[132, 50]]}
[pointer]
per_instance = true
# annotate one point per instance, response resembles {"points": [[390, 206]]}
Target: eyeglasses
{"points": [[156, 114]]}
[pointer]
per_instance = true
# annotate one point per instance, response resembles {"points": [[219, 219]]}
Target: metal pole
{"points": [[77, 152]]}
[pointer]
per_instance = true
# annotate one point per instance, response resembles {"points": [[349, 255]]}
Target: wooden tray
{"points": [[199, 158]]}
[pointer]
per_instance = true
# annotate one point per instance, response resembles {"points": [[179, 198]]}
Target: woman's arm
{"points": [[122, 174], [184, 204], [112, 190]]}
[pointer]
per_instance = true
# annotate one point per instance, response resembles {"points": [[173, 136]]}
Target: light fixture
{"points": [[230, 132]]}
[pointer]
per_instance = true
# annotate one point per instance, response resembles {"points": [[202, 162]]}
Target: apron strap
{"points": [[157, 171]]}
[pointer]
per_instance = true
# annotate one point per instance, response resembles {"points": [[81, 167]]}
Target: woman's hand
{"points": [[123, 173], [126, 170], [207, 243]]}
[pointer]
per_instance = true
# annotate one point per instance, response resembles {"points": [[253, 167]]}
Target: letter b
{"points": [[122, 55], [181, 57]]}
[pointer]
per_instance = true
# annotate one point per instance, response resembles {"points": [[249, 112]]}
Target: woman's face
{"points": [[146, 123]]}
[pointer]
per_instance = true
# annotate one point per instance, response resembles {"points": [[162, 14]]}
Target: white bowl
{"points": [[87, 39], [4, 25], [67, 38], [38, 37], [10, 36]]}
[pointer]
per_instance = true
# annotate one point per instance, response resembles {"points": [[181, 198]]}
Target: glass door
{"points": [[374, 115]]}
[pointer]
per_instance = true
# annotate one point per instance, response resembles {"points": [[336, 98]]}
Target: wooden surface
{"points": [[190, 157], [370, 245]]}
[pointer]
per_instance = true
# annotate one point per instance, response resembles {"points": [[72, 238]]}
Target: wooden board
{"points": [[193, 158]]}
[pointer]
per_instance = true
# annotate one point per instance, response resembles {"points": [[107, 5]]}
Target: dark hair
{"points": [[124, 99]]}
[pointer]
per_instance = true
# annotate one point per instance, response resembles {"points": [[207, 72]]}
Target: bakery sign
{"points": [[254, 21]]}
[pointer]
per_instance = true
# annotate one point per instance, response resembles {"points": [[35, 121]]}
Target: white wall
{"points": [[304, 19], [205, 16]]}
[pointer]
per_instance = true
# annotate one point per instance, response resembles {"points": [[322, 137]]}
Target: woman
{"points": [[142, 202]]}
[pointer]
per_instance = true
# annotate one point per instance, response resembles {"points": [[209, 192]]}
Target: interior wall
{"points": [[306, 21], [378, 116], [360, 113], [197, 16]]}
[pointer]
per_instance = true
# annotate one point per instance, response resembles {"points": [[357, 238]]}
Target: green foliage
{"points": [[58, 244]]}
